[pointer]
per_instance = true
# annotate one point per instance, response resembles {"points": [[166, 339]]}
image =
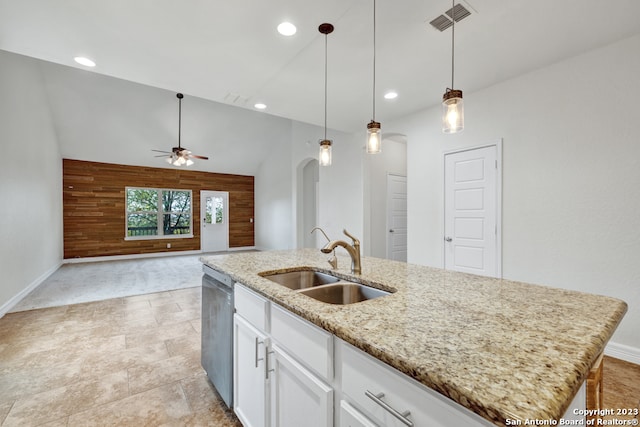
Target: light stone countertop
{"points": [[504, 349]]}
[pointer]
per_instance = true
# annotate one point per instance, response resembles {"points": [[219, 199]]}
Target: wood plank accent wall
{"points": [[94, 207]]}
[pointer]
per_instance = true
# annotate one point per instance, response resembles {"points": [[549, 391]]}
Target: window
{"points": [[154, 213], [214, 210]]}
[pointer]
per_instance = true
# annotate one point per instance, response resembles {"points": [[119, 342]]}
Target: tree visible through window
{"points": [[155, 213], [214, 210]]}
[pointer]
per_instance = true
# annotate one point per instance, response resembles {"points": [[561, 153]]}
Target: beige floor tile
{"points": [[23, 382], [62, 422], [5, 407], [208, 407], [187, 344], [165, 318], [160, 333], [103, 363], [63, 401], [197, 326], [147, 376], [161, 406], [134, 304]]}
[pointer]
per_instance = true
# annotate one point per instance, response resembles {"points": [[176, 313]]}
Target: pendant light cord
{"points": [[325, 87], [453, 36], [374, 60]]}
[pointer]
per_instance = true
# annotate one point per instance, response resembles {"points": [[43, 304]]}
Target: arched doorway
{"points": [[308, 172]]}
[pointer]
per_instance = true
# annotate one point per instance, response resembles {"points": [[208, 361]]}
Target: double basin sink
{"points": [[325, 287]]}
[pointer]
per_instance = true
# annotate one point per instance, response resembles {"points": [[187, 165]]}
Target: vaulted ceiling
{"points": [[230, 52]]}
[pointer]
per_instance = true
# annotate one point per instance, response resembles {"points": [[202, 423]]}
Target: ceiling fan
{"points": [[179, 156]]}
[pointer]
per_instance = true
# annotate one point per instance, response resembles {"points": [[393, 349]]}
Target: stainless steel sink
{"points": [[301, 279], [343, 293], [325, 287]]}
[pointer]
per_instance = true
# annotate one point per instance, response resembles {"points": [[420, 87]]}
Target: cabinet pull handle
{"points": [[258, 342], [266, 365], [402, 416]]}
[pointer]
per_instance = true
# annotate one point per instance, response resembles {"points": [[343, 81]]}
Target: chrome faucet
{"points": [[353, 249], [333, 260]]}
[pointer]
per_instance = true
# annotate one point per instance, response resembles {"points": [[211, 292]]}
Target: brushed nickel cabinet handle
{"points": [[402, 416], [266, 365], [258, 342]]}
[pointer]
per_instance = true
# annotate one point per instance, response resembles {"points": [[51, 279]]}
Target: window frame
{"points": [[159, 213]]}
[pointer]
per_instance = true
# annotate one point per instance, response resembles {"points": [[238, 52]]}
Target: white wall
{"points": [[273, 204], [571, 167], [30, 181]]}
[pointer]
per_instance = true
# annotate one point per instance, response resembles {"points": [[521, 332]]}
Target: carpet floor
{"points": [[97, 281]]}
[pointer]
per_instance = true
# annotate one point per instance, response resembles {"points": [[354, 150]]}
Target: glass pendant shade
{"points": [[325, 152], [374, 138], [452, 111]]}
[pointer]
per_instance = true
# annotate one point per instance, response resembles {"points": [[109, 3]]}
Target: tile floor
{"points": [[130, 361]]}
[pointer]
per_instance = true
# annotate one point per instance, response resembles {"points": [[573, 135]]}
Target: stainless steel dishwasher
{"points": [[217, 331]]}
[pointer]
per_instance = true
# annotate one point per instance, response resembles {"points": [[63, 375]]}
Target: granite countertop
{"points": [[504, 349]]}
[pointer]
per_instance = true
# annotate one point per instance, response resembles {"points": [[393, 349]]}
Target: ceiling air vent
{"points": [[236, 99], [444, 21]]}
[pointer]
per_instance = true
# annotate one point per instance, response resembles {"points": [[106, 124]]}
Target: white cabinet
{"points": [[249, 373], [390, 398], [351, 417], [299, 398], [304, 341], [283, 366]]}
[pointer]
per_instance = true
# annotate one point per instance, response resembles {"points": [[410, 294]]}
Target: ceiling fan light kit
{"points": [[179, 156]]}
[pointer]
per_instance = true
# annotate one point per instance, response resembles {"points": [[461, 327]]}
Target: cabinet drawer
{"points": [[251, 306], [306, 342], [351, 417], [365, 379]]}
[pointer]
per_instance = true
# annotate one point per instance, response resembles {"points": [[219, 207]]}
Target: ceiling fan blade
{"points": [[198, 157], [161, 151], [162, 155]]}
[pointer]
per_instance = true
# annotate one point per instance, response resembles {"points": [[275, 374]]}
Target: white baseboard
{"points": [[125, 257], [6, 307], [623, 352], [150, 255], [243, 248]]}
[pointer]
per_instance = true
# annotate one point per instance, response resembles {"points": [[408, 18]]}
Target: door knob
{"points": [[448, 239], [392, 230]]}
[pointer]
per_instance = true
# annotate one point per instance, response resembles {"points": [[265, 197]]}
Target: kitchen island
{"points": [[506, 350]]}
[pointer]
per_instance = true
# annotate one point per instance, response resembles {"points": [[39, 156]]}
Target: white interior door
{"points": [[214, 217], [471, 211], [397, 217]]}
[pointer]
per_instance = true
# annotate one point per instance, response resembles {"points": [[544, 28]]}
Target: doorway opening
{"points": [[307, 202]]}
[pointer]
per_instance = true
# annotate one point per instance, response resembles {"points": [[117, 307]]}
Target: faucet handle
{"points": [[351, 236]]}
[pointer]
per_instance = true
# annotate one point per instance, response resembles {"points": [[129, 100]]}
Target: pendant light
{"points": [[325, 144], [452, 104], [374, 135]]}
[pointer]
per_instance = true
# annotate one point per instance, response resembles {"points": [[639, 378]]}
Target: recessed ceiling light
{"points": [[287, 29], [391, 95], [260, 106], [84, 61]]}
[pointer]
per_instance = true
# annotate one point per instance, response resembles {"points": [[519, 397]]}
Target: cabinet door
{"points": [[298, 397], [351, 417], [249, 373]]}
